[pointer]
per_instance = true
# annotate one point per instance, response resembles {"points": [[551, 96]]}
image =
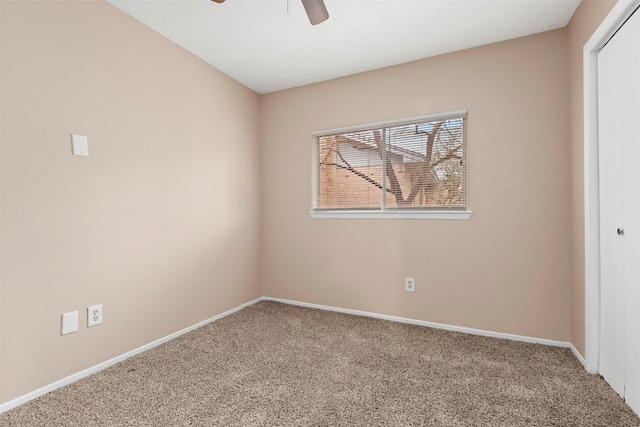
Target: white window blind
{"points": [[410, 165]]}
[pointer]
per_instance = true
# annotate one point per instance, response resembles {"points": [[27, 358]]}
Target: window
{"points": [[414, 168]]}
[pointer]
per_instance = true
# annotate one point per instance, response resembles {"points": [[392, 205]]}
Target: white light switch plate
{"points": [[80, 144], [69, 322]]}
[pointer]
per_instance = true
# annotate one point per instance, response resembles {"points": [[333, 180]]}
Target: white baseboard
{"points": [[582, 360], [77, 376], [92, 370], [462, 329]]}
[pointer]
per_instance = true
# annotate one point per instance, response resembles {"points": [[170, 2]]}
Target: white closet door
{"points": [[612, 335], [619, 142], [630, 38]]}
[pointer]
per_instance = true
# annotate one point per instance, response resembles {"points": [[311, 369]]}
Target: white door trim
{"points": [[614, 20]]}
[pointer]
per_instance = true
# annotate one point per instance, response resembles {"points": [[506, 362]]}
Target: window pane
{"points": [[419, 165], [427, 162], [350, 172]]}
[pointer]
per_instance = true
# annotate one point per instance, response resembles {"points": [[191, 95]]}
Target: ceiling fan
{"points": [[316, 10]]}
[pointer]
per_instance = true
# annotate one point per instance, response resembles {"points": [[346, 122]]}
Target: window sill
{"points": [[447, 215]]}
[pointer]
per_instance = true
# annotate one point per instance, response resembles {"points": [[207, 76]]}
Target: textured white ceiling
{"points": [[269, 45]]}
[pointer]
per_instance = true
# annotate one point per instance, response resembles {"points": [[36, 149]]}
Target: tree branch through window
{"points": [[417, 165]]}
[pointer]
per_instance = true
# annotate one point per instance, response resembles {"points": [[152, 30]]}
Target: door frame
{"points": [[614, 20]]}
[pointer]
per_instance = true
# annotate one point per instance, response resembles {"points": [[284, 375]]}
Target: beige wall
{"points": [[585, 20], [508, 268], [159, 223]]}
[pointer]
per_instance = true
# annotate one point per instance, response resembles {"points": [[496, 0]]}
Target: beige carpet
{"points": [[278, 365]]}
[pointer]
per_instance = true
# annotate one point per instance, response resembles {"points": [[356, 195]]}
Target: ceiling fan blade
{"points": [[316, 11]]}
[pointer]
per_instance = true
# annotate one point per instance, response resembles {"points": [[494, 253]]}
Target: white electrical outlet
{"points": [[409, 284], [94, 315], [69, 322]]}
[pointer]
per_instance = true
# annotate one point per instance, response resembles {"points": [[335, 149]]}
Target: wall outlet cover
{"points": [[94, 315], [409, 284]]}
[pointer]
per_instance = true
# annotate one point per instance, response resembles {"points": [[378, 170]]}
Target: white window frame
{"points": [[425, 213]]}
